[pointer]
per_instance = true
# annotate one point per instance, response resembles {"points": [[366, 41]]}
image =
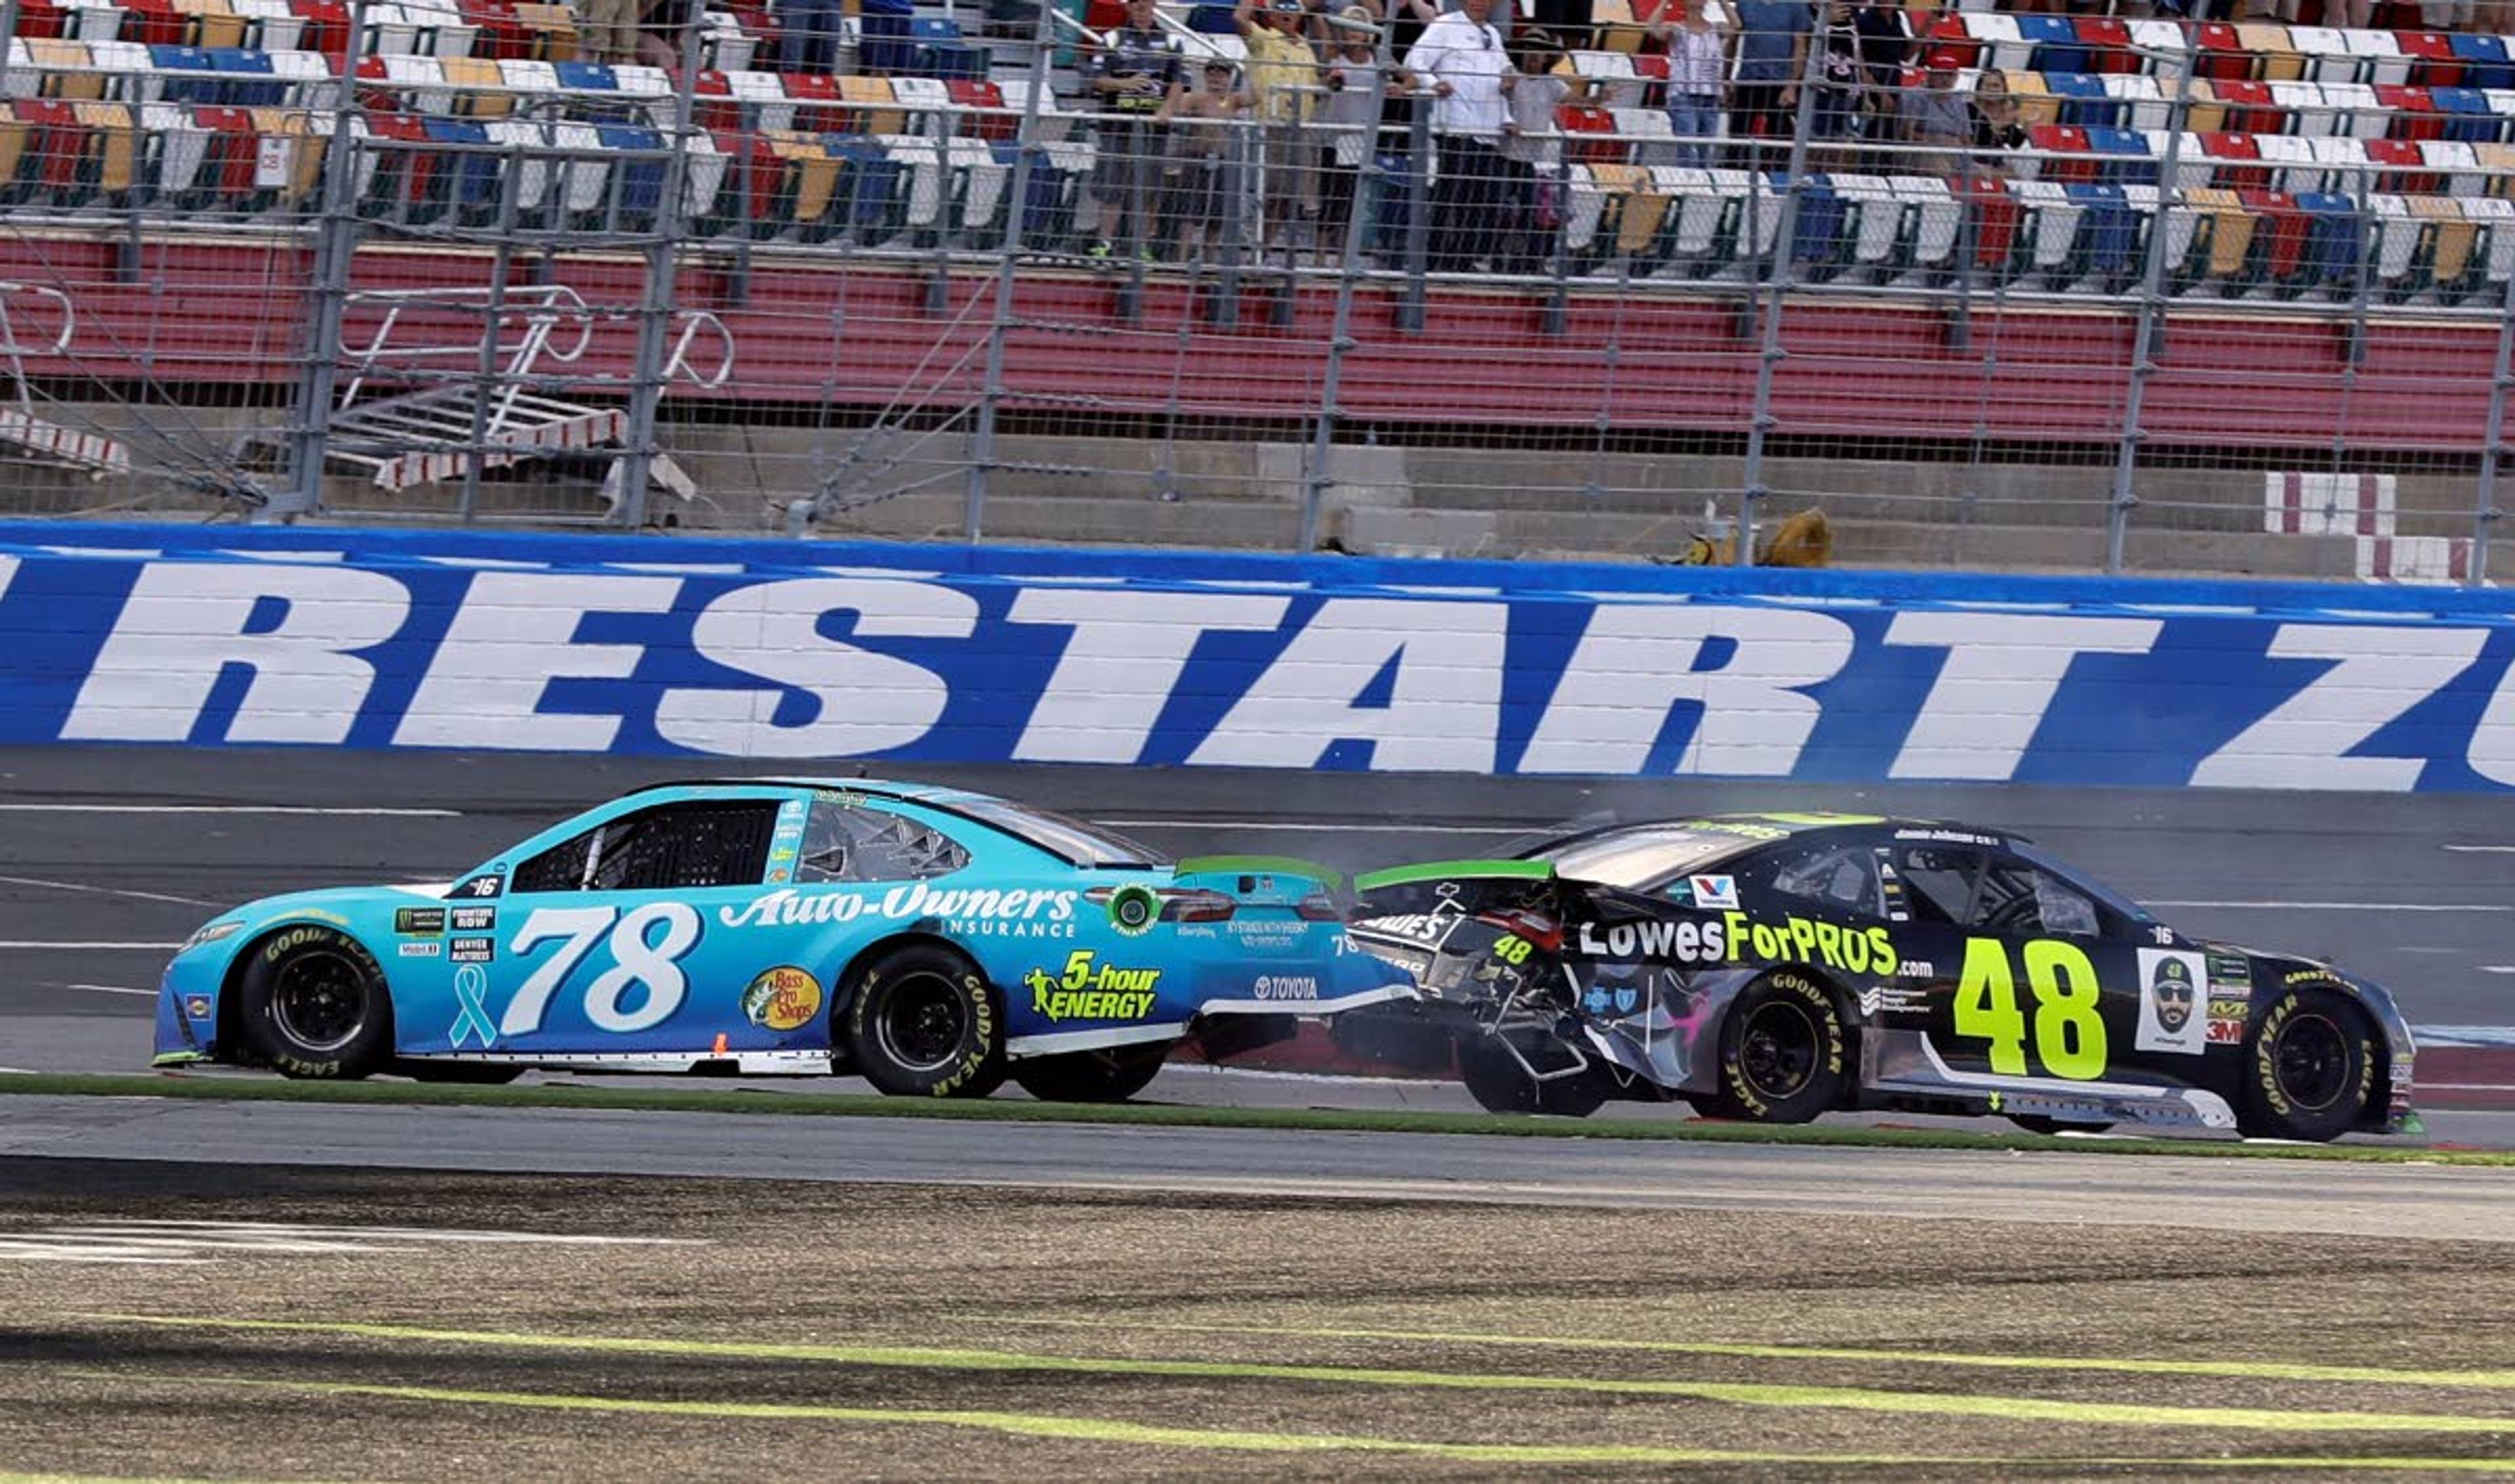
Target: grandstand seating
{"points": [[2311, 157]]}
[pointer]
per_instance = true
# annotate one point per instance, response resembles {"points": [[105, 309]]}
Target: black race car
{"points": [[1777, 967]]}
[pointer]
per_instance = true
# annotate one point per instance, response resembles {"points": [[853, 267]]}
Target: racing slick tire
{"points": [[923, 1022], [313, 1003], [1106, 1076], [1499, 1083], [2045, 1123], [1783, 1054], [2309, 1068]]}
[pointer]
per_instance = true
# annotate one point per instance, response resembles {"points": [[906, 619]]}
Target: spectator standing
{"points": [[662, 24], [1461, 58], [1136, 70], [1938, 118], [1698, 56], [811, 34], [1885, 34], [1532, 152], [1350, 121], [1772, 56], [608, 30], [1841, 82], [1199, 185], [1283, 76]]}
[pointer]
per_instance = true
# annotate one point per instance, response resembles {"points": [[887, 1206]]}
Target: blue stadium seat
{"points": [[2108, 240], [2485, 63], [242, 67]]}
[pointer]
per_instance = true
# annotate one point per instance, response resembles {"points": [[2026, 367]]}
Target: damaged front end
{"points": [[1513, 991]]}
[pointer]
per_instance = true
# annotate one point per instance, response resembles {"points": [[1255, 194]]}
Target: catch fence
{"points": [[2179, 320]]}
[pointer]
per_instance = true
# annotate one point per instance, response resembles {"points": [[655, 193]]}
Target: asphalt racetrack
{"points": [[209, 1288]]}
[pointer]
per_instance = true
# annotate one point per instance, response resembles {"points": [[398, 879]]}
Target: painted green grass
{"points": [[233, 1086]]}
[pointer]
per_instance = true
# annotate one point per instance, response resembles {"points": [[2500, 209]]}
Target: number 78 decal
{"points": [[2069, 1032], [639, 956]]}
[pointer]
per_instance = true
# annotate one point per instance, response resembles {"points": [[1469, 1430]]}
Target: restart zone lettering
{"points": [[211, 637]]}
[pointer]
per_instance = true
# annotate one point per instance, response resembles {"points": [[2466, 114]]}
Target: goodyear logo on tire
{"points": [[783, 999]]}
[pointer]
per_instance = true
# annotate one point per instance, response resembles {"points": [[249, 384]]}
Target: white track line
{"points": [[111, 989], [2351, 906], [1289, 826], [145, 896], [2483, 849], [224, 809], [2498, 969], [106, 947]]}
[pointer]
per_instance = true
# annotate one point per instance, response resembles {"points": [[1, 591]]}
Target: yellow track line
{"points": [[1106, 1431], [2242, 1370], [1852, 1398]]}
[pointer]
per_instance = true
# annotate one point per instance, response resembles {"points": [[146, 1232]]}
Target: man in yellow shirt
{"points": [[1283, 75]]}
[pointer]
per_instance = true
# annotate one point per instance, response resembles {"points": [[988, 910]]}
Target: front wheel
{"points": [[1782, 1052], [1109, 1075], [1499, 1083], [313, 1004], [924, 1022], [2309, 1068]]}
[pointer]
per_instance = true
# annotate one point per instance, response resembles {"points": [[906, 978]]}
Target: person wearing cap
{"points": [[1532, 148], [1284, 77], [1938, 117], [1197, 178], [1698, 57], [1136, 69], [1348, 119], [1461, 57]]}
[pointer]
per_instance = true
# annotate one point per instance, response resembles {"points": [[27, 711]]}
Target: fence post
{"points": [[1775, 278], [1419, 213], [502, 266], [2147, 334], [1341, 333], [336, 244], [661, 299], [2485, 512], [982, 437]]}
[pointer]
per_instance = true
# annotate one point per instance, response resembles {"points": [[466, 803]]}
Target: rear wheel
{"points": [[313, 1004], [1110, 1076], [1499, 1083], [924, 1022], [1782, 1053], [2309, 1068]]}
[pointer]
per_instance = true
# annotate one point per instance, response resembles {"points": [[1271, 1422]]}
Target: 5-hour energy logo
{"points": [[1090, 990]]}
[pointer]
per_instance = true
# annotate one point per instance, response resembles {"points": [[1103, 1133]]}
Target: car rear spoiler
{"points": [[1451, 886]]}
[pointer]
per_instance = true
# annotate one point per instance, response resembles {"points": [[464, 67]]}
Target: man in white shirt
{"points": [[1461, 58]]}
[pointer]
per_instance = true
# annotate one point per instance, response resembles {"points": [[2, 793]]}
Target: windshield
{"points": [[1079, 840], [1640, 856]]}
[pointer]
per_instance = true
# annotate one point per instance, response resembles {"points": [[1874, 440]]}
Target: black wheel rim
{"points": [[922, 1023], [319, 1001], [2312, 1061], [1776, 1050]]}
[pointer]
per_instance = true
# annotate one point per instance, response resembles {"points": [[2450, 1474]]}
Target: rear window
{"points": [[1076, 840], [1639, 857]]}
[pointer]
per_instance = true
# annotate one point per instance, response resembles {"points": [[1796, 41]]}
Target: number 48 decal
{"points": [[640, 957], [2069, 1033]]}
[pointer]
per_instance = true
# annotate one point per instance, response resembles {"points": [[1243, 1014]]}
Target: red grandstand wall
{"points": [[206, 312]]}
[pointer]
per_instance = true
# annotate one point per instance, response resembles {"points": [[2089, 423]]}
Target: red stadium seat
{"points": [[1949, 33], [2415, 114], [980, 97], [1588, 135], [39, 20], [327, 27], [2409, 181], [2281, 239], [2224, 56], [2243, 170], [2063, 139], [816, 99], [2250, 108], [2433, 63], [56, 141], [1995, 217], [2108, 44]]}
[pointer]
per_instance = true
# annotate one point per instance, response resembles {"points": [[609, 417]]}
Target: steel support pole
{"points": [[661, 299], [1341, 333], [2147, 333], [2484, 511], [1769, 354], [982, 436], [502, 266], [336, 245]]}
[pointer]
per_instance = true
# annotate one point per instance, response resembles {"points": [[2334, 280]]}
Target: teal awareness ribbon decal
{"points": [[470, 984]]}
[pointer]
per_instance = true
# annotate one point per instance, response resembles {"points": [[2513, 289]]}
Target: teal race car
{"points": [[933, 941]]}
